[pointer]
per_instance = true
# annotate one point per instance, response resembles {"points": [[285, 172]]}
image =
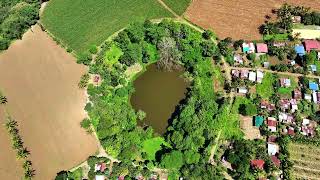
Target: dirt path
{"points": [[169, 9], [40, 81], [214, 148]]}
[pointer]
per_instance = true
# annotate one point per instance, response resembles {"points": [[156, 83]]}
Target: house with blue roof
{"points": [[313, 86], [300, 50]]}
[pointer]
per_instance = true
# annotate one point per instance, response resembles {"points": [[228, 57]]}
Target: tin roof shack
{"points": [[252, 76], [238, 58], [262, 48], [242, 90], [244, 74], [259, 76], [273, 149], [300, 50], [257, 163], [285, 82], [312, 45], [296, 19], [297, 95], [286, 118], [235, 73]]}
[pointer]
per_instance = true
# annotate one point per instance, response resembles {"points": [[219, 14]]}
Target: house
{"points": [[262, 48], [244, 74], [99, 177], [257, 163], [258, 121], [307, 97], [318, 55], [276, 160], [272, 139], [291, 131], [296, 19], [238, 58], [284, 104], [294, 105], [313, 68], [313, 86], [311, 45], [297, 94], [248, 47], [121, 178], [264, 104], [300, 50], [272, 124], [242, 90], [273, 148], [100, 167], [285, 82], [235, 73], [318, 97], [285, 118], [259, 76], [252, 76]]}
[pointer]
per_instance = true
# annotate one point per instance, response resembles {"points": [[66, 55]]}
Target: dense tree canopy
{"points": [[16, 16]]}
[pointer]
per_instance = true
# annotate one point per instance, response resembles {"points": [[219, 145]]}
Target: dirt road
{"points": [[40, 81]]}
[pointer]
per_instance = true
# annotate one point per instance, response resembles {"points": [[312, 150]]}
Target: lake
{"points": [[158, 93]]}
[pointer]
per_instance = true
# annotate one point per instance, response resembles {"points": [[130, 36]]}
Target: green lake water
{"points": [[157, 93]]}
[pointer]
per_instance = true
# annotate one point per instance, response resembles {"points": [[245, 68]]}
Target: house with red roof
{"points": [[262, 48], [276, 160], [257, 163], [272, 124], [311, 45]]}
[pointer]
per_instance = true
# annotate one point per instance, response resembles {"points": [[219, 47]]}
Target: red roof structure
{"points": [[272, 139], [257, 163], [311, 45], [271, 122], [275, 160], [262, 48], [103, 167], [291, 131]]}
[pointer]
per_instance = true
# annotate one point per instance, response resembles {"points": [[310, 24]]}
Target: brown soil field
{"points": [[40, 81], [237, 19], [10, 168]]}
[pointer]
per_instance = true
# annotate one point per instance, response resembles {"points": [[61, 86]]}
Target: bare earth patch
{"points": [[250, 132], [40, 81], [237, 19], [307, 33]]}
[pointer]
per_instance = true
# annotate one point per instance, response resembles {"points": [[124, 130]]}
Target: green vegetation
{"points": [[266, 88], [15, 18], [113, 55], [178, 6], [287, 91], [196, 122], [151, 146], [244, 106], [276, 37], [80, 24]]}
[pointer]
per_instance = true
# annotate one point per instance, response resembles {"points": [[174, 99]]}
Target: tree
{"points": [[208, 48], [141, 115], [29, 172], [84, 81], [84, 58], [208, 34], [237, 44], [3, 99], [63, 175], [173, 160], [191, 157], [131, 55], [248, 109], [169, 54]]}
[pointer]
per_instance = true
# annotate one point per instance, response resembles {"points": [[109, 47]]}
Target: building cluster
{"points": [[244, 74]]}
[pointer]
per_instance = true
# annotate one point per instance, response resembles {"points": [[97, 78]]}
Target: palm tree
{"points": [[28, 170], [22, 153], [3, 99]]}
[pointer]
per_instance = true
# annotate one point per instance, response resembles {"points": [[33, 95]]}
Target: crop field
{"points": [[237, 19], [81, 24], [178, 6], [40, 81], [306, 161]]}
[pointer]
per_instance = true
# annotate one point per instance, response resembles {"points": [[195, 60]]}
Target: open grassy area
{"points": [[287, 91], [80, 24], [306, 160], [151, 146], [178, 6], [266, 89]]}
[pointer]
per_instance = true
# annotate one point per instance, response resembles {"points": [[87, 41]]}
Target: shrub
{"points": [[84, 58], [93, 49]]}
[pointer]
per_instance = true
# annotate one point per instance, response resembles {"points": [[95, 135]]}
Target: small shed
{"points": [[273, 149], [252, 76], [258, 121], [300, 50], [313, 86], [242, 90], [313, 68], [99, 177]]}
